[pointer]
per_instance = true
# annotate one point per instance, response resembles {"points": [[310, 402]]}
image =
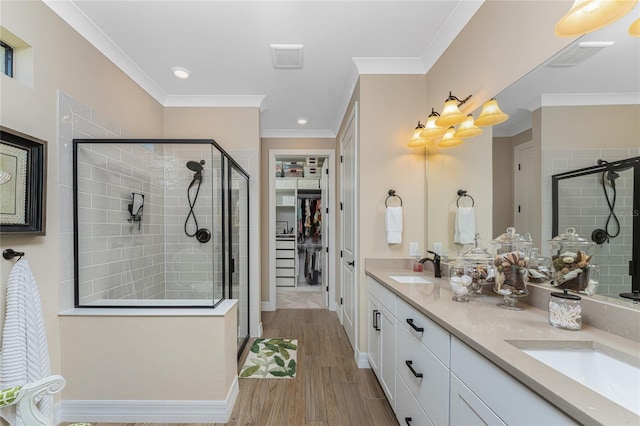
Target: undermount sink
{"points": [[410, 279], [612, 374]]}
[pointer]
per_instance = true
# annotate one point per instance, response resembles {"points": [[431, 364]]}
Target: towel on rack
{"points": [[465, 226], [393, 224], [24, 356]]}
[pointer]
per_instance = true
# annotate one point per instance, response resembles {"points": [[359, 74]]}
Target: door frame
{"points": [[352, 119], [330, 154]]}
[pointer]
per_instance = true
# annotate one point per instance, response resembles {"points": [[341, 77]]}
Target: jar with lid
{"points": [[539, 267], [565, 311], [511, 260], [572, 261], [480, 265]]}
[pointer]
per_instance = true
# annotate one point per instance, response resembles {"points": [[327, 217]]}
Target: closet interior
{"points": [[300, 200]]}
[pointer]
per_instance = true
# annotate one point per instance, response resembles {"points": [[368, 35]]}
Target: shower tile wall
{"points": [[118, 258], [588, 210], [120, 261]]}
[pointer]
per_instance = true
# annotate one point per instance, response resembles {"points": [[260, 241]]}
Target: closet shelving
{"points": [[298, 229]]}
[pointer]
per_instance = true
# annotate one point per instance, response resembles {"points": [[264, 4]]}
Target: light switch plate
{"points": [[414, 249]]}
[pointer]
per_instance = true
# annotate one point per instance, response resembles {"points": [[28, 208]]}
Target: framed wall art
{"points": [[23, 162]]}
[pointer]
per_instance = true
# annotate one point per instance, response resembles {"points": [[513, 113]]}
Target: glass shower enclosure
{"points": [[160, 224]]}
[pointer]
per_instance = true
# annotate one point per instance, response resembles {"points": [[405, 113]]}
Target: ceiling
{"points": [[226, 47]]}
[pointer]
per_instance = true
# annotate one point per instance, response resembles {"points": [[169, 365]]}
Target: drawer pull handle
{"points": [[408, 420], [375, 319], [415, 327], [410, 365]]}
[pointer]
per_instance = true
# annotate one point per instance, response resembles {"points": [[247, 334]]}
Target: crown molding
{"points": [[238, 101], [580, 99], [295, 133], [389, 65]]}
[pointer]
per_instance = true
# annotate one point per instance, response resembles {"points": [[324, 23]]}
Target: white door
{"points": [[324, 194], [523, 188], [348, 229]]}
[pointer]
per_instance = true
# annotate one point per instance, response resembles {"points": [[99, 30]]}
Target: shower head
{"points": [[195, 166]]}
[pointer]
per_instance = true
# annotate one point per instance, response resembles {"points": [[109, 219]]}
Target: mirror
{"points": [[581, 105]]}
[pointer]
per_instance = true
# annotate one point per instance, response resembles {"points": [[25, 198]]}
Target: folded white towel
{"points": [[465, 227], [393, 224], [24, 357]]}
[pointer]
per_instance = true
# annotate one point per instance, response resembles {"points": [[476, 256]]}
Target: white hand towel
{"points": [[465, 227], [393, 224], [24, 357]]}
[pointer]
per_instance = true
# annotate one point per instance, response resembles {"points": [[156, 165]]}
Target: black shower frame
{"points": [[634, 263], [226, 286]]}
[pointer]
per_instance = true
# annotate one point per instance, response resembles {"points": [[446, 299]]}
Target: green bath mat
{"points": [[271, 358]]}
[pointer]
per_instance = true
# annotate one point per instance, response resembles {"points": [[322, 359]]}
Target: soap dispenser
{"points": [[417, 266]]}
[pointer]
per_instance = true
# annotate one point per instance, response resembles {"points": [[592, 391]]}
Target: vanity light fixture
{"points": [[181, 73], [634, 29], [449, 139], [417, 141], [431, 129], [586, 16], [491, 114], [451, 114], [468, 129]]}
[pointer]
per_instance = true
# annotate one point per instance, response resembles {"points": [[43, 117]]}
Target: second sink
{"points": [[410, 279]]}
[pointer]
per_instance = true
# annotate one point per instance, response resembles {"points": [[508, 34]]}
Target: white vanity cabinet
{"points": [[381, 345], [422, 364], [482, 393]]}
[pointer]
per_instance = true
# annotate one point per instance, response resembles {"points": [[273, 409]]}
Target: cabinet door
{"points": [[467, 408], [373, 334], [387, 348], [408, 411]]}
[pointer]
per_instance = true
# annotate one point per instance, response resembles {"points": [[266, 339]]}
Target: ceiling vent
{"points": [[578, 53], [286, 55]]}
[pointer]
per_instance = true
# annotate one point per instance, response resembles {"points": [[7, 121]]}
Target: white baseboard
{"points": [[363, 360], [268, 306], [152, 411]]}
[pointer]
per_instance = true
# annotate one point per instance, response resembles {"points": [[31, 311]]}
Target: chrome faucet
{"points": [[436, 263]]}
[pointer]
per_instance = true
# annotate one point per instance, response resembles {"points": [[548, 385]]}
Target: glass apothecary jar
{"points": [[565, 311], [511, 260], [539, 267], [480, 265], [572, 262]]}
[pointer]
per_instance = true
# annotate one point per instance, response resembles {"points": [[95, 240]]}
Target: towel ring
{"points": [[463, 193], [392, 193], [9, 254]]}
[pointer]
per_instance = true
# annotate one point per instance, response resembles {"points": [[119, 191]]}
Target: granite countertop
{"points": [[487, 329]]}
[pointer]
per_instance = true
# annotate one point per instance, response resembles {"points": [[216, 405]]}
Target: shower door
{"points": [[239, 248]]}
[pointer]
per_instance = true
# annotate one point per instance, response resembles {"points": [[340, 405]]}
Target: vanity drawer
{"points": [[432, 389], [384, 295], [408, 411], [285, 272], [285, 263], [433, 337], [285, 244]]}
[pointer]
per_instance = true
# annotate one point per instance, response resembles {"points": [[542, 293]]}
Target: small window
{"points": [[6, 57]]}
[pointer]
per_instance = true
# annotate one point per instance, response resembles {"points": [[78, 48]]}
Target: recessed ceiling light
{"points": [[180, 72], [302, 121]]}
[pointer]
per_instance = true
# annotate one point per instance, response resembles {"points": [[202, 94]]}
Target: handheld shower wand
{"points": [[202, 234]]}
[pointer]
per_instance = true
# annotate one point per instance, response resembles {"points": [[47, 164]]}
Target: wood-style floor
{"points": [[329, 388]]}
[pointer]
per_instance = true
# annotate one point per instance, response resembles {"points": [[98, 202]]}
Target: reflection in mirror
{"points": [[601, 202], [581, 105]]}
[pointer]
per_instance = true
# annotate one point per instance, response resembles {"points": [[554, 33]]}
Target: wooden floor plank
{"points": [[329, 389]]}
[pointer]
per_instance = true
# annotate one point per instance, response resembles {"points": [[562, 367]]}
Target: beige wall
{"points": [[62, 61], [390, 107], [281, 143], [501, 43]]}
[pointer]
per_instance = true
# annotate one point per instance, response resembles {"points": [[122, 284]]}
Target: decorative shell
{"points": [[568, 259]]}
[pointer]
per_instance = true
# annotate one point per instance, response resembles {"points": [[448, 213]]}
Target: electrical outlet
{"points": [[437, 248], [414, 249]]}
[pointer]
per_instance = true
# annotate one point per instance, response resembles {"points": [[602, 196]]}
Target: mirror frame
{"points": [[634, 263]]}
